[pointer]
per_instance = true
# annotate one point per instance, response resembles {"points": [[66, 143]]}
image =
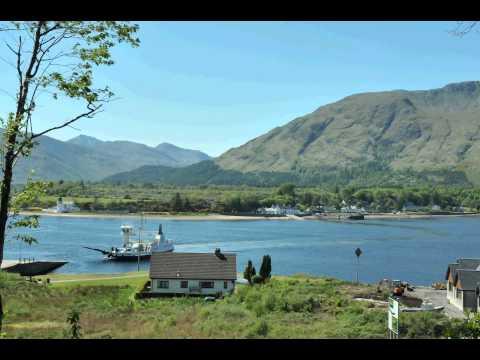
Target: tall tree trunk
{"points": [[5, 198], [9, 158]]}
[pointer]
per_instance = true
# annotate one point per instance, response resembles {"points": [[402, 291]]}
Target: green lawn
{"points": [[286, 307]]}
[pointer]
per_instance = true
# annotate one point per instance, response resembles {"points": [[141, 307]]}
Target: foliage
{"points": [[249, 272], [246, 199], [257, 279], [266, 267], [74, 320], [296, 306]]}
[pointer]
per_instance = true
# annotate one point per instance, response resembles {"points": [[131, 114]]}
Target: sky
{"points": [[211, 86]]}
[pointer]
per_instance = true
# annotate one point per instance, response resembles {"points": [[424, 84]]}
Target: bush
{"points": [[259, 329], [257, 279]]}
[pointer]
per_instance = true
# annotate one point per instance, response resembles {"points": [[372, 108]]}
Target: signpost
{"points": [[358, 252], [393, 313]]}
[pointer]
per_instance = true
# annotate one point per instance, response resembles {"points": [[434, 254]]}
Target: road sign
{"points": [[393, 312], [393, 307]]}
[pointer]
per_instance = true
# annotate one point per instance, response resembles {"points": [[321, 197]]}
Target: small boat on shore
{"points": [[31, 268]]}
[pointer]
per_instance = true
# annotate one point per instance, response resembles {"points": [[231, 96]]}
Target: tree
{"points": [[249, 272], [56, 58], [186, 205], [176, 203], [266, 267], [287, 189]]}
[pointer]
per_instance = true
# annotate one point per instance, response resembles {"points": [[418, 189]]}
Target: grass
{"points": [[286, 307]]}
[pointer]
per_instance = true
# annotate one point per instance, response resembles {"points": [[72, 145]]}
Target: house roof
{"points": [[467, 264], [451, 270], [202, 266], [468, 279]]}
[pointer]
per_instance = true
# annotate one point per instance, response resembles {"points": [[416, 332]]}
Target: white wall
{"points": [[457, 301], [451, 291], [175, 288]]}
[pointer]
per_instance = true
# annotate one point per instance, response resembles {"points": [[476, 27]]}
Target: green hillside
{"points": [[87, 158], [433, 132], [393, 138]]}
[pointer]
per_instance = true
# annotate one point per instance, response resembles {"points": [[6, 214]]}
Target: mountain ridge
{"points": [[398, 137], [90, 159]]}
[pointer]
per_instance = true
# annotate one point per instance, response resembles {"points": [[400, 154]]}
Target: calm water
{"points": [[413, 250]]}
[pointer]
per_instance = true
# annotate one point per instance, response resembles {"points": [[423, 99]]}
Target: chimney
{"points": [[219, 254]]}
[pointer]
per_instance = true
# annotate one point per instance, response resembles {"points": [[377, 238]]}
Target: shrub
{"points": [[260, 328], [257, 279], [74, 320]]}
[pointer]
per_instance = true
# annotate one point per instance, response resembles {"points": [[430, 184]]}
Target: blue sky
{"points": [[215, 85]]}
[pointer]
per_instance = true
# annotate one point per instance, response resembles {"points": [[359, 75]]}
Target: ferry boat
{"points": [[136, 249]]}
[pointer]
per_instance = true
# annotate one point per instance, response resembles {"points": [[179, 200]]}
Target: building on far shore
{"points": [[462, 279], [280, 210], [177, 273], [63, 207]]}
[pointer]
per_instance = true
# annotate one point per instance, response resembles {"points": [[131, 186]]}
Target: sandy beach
{"points": [[215, 217], [221, 217]]}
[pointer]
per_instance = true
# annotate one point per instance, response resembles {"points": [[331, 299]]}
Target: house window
{"points": [[225, 284], [184, 284], [459, 293], [449, 286], [162, 284], [206, 284]]}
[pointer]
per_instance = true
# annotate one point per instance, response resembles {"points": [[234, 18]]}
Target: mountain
{"points": [[184, 157], [425, 132], [87, 158], [381, 138]]}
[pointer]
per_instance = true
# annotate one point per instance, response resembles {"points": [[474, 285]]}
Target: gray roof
{"points": [[201, 266], [470, 264], [468, 279], [466, 264]]}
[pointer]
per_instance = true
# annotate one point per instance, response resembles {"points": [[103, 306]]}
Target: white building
{"points": [[280, 210], [193, 273], [63, 207], [353, 209]]}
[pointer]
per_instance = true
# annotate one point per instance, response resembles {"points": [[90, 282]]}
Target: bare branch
{"points": [[92, 110], [463, 28]]}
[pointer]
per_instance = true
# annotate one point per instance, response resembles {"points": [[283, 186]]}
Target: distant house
{"points": [[280, 210], [436, 208], [353, 209], [462, 279], [193, 273], [63, 207]]}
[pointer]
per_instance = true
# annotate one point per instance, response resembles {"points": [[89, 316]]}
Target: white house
{"points": [[462, 280], [280, 210], [193, 273], [63, 207]]}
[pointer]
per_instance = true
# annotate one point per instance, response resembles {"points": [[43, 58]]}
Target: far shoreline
{"points": [[222, 217]]}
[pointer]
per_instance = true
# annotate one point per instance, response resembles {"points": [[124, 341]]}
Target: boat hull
{"points": [[131, 257], [34, 268]]}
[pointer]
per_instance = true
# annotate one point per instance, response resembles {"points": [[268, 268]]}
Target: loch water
{"points": [[414, 250]]}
